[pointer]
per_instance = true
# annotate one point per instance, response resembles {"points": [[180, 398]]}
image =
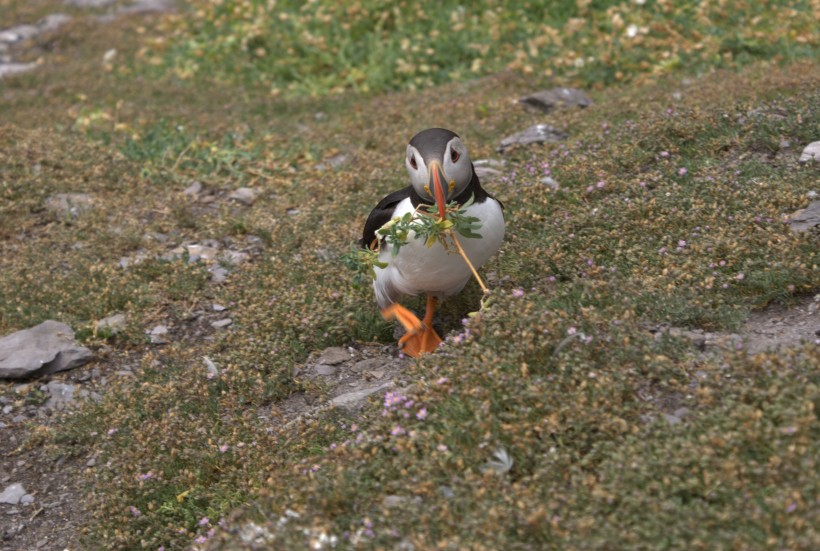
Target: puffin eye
{"points": [[413, 162], [454, 155]]}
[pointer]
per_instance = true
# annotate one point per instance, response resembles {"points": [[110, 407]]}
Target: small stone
{"points": [[333, 355], [60, 395], [671, 419], [326, 370], [219, 324], [392, 501], [244, 195], [551, 183], [377, 374], [27, 499], [92, 461], [46, 348], [158, 334], [12, 494], [537, 133], [367, 365], [333, 162], [810, 153], [805, 219], [8, 409], [109, 55], [218, 274], [69, 204], [19, 33], [194, 189], [53, 21], [547, 100], [8, 69], [112, 324], [355, 398], [218, 307]]}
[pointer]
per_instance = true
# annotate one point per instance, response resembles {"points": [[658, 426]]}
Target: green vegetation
{"points": [[375, 45], [673, 190]]}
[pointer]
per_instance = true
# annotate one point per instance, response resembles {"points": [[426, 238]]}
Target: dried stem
{"points": [[470, 264]]}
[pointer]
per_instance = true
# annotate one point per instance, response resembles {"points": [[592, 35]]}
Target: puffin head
{"points": [[439, 166]]}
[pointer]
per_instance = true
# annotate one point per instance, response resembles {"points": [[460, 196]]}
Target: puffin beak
{"points": [[437, 182]]}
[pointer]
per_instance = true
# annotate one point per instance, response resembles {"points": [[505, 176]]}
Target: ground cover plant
{"points": [[558, 416]]}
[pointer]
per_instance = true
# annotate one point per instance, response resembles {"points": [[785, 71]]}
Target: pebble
{"points": [[810, 153], [547, 100], [218, 307], [551, 183], [158, 333], [244, 195], [112, 324], [194, 189], [805, 219], [12, 494], [537, 133], [69, 204], [326, 370], [333, 355], [60, 395], [219, 324]]}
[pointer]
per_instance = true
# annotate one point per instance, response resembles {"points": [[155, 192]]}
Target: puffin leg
{"points": [[420, 338], [429, 339]]}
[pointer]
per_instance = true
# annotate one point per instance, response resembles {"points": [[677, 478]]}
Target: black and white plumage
{"points": [[440, 171]]}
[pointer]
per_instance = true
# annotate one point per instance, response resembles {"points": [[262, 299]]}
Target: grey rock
{"points": [[547, 100], [219, 324], [393, 501], [551, 183], [8, 69], [27, 499], [12, 494], [218, 274], [89, 3], [53, 21], [60, 395], [810, 153], [146, 6], [333, 356], [537, 133], [326, 370], [46, 348], [112, 324], [805, 219], [194, 189], [367, 365], [218, 307], [352, 399], [671, 419], [18, 33], [244, 195], [332, 163], [158, 334], [69, 204]]}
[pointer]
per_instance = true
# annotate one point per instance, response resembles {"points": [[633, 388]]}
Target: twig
{"points": [[470, 264]]}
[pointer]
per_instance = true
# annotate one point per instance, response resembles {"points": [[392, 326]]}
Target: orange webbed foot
{"points": [[420, 338]]}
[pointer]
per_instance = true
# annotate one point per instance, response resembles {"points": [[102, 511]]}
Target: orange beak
{"points": [[438, 180]]}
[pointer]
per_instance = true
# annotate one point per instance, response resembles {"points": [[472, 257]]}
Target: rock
{"points": [[46, 348], [218, 307], [18, 33], [332, 163], [805, 219], [69, 204], [201, 252], [60, 395], [53, 21], [377, 374], [146, 6], [550, 183], [355, 398], [367, 365], [12, 494], [810, 153], [244, 195], [158, 334], [112, 324], [218, 274], [326, 370], [333, 356], [392, 501], [7, 69], [547, 100], [488, 169], [538, 133], [27, 500], [219, 324], [194, 189], [89, 3]]}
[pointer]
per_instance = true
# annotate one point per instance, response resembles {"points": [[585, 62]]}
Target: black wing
{"points": [[382, 214]]}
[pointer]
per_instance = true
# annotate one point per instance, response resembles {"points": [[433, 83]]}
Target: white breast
{"points": [[418, 269]]}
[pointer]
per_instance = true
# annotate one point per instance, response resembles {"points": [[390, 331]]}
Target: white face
{"points": [[456, 164]]}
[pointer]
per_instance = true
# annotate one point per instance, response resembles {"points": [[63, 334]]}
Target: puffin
{"points": [[441, 172]]}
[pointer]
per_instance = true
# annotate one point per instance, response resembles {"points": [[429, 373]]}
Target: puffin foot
{"points": [[420, 338]]}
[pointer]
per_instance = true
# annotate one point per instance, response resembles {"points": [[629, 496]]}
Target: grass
{"points": [[374, 46], [560, 370]]}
